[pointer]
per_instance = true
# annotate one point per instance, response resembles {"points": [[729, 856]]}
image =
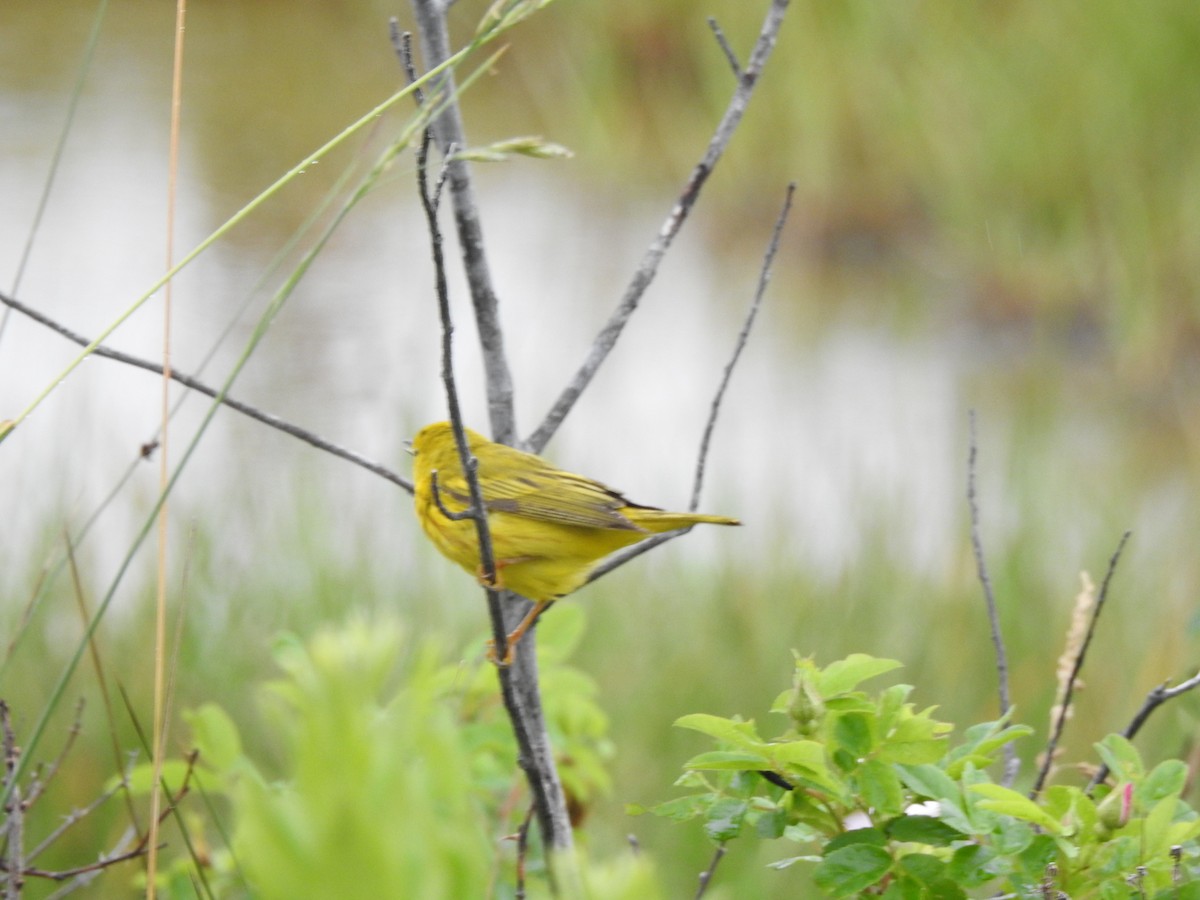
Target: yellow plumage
{"points": [[549, 527]]}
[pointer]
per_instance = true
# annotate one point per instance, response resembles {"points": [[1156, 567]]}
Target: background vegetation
{"points": [[996, 209]]}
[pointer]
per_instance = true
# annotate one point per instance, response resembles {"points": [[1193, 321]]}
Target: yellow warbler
{"points": [[549, 528]]}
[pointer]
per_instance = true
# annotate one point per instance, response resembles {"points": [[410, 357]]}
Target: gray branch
{"points": [[448, 132], [1012, 762], [519, 681], [200, 387], [648, 268]]}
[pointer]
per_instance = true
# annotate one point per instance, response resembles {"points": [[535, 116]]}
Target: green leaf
{"points": [[848, 870], [771, 825], [923, 830], [804, 760], [728, 759], [693, 780], [1165, 779], [1154, 830], [1189, 891], [914, 740], [681, 809], [790, 861], [724, 819], [1182, 832], [851, 703], [905, 888], [880, 787], [1122, 758], [804, 754], [891, 704], [215, 735], [928, 781], [846, 674], [142, 777], [853, 732], [1071, 806], [499, 151], [872, 836], [923, 867], [740, 734], [1011, 803], [970, 866], [1013, 837]]}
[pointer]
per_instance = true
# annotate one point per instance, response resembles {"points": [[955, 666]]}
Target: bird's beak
{"points": [[408, 447]]}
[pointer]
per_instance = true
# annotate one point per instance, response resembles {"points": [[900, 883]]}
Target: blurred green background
{"points": [[997, 209]]}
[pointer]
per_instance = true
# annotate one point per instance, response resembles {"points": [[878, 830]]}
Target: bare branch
{"points": [[476, 510], [723, 43], [448, 131], [1060, 721], [64, 874], [519, 681], [764, 277], [194, 384], [522, 851], [76, 815], [648, 268], [1012, 762], [1154, 700], [42, 777], [707, 875], [13, 859]]}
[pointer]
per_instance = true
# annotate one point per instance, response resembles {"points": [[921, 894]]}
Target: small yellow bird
{"points": [[549, 528]]}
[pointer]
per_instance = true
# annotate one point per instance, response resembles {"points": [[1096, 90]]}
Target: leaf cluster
{"points": [[881, 803], [404, 774]]}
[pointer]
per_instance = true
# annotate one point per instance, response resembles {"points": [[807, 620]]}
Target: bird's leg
{"points": [[497, 582], [517, 633]]}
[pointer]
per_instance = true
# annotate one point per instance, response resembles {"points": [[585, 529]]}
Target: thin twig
{"points": [[85, 65], [437, 499], [43, 776], [707, 875], [648, 267], [101, 676], [64, 874], [13, 859], [476, 510], [1061, 720], [449, 133], [76, 815], [1012, 762], [523, 850], [723, 43], [107, 861], [764, 277], [189, 382], [1154, 700]]}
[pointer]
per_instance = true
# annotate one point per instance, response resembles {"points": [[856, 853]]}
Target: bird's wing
{"points": [[525, 485]]}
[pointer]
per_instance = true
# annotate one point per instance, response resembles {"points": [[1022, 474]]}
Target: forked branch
{"points": [[648, 267], [1154, 700], [764, 277]]}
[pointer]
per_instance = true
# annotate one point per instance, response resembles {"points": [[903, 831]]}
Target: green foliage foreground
{"points": [[885, 806], [410, 782]]}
